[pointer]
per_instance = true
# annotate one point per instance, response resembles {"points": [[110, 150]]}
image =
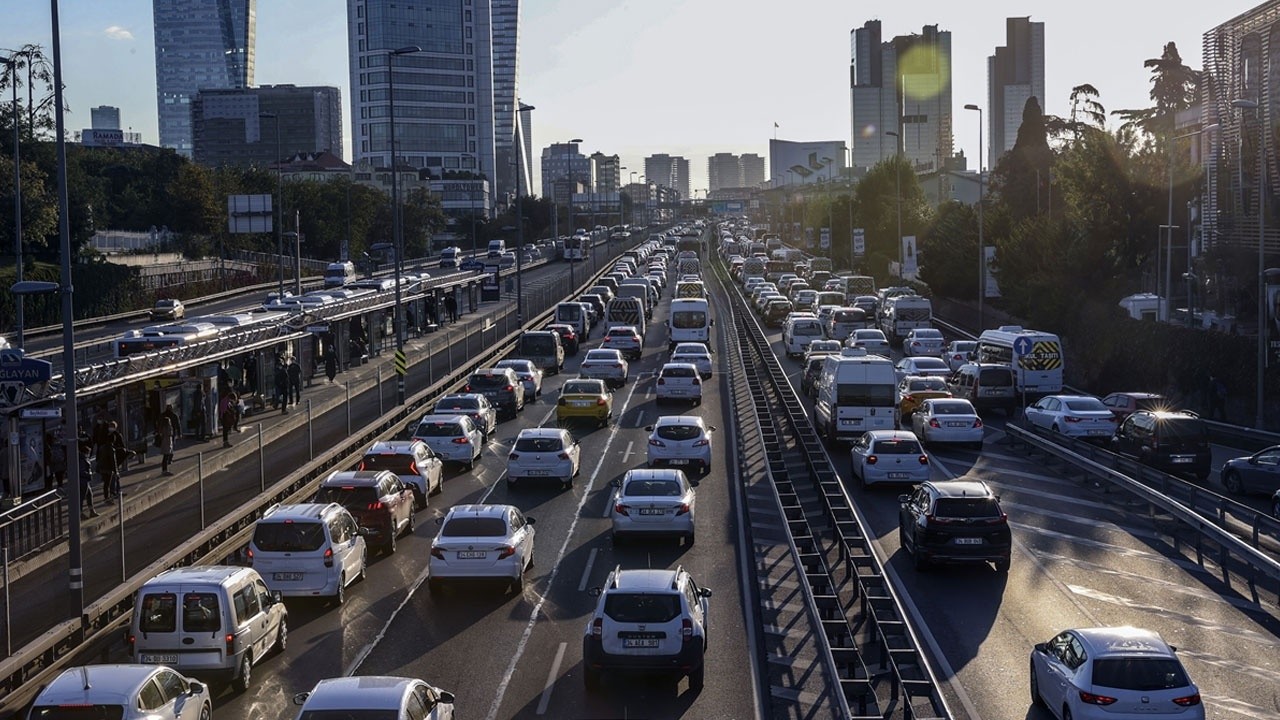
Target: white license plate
{"points": [[899, 475], [956, 424], [679, 461], [1183, 459], [639, 643], [1099, 433], [652, 511], [850, 421], [581, 403], [539, 472], [287, 576], [676, 391], [167, 659], [471, 554], [968, 541]]}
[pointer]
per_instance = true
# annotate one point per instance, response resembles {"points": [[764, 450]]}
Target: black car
{"points": [[1175, 441], [568, 337], [596, 301], [472, 263], [955, 521]]}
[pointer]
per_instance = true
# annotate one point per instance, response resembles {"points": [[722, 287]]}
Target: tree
{"points": [[949, 245], [1173, 88], [1022, 175], [1087, 113]]}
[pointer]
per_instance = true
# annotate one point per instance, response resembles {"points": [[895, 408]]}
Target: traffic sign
{"points": [[859, 241], [49, 413], [16, 367], [401, 363], [11, 392], [1022, 346], [824, 238]]}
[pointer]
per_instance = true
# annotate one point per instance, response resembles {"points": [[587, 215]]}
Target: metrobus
{"points": [[577, 248], [1036, 357], [162, 337]]}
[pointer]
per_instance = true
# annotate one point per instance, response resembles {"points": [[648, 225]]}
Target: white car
{"points": [[544, 454], [123, 692], [920, 365], [626, 339], [654, 502], [530, 375], [1117, 673], [923, 341], [696, 353], [948, 420], [375, 696], [455, 438], [481, 541], [605, 364], [678, 381], [872, 340], [960, 352], [888, 456], [1078, 416], [680, 440], [413, 461]]}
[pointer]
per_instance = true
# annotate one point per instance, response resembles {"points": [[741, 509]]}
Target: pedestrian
{"points": [[451, 307], [166, 438], [111, 455], [86, 478], [295, 380], [55, 460], [431, 310], [199, 413], [282, 387], [228, 406], [330, 366]]}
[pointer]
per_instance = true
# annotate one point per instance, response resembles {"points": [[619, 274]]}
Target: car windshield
{"points": [[954, 407], [581, 388], [1143, 674], [539, 444], [77, 712], [1086, 404], [474, 527], [897, 447], [288, 536], [678, 432], [928, 335], [964, 507], [438, 429], [348, 496], [652, 488], [642, 607]]}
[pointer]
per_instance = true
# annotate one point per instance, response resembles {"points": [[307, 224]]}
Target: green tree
{"points": [[1173, 88], [1021, 176], [949, 245]]}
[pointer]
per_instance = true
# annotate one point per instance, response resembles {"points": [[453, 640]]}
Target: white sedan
{"points": [[696, 353], [481, 541], [680, 440], [544, 454], [605, 364], [871, 339], [949, 420], [1078, 416]]}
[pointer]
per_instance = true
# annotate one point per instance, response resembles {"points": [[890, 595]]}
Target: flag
{"points": [[775, 125]]}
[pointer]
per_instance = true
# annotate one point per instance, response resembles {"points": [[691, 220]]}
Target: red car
{"points": [[1123, 404], [568, 337], [380, 502]]}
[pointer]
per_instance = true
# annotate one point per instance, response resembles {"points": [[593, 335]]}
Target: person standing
{"points": [[199, 414], [295, 380], [282, 387], [330, 365], [166, 438], [111, 454], [55, 460], [228, 406], [451, 307], [86, 477]]}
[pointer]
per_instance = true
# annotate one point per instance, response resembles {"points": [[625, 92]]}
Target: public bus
{"points": [[1035, 357], [577, 248]]}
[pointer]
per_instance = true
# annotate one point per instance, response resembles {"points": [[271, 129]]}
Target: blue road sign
{"points": [[16, 367], [1022, 346]]}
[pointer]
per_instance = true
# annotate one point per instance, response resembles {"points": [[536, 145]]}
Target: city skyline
{"points": [[109, 59]]}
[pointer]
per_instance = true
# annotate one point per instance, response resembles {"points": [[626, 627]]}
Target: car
{"points": [[370, 696], [947, 420], [605, 364], [501, 385], [954, 521], [542, 453], [472, 263], [168, 309], [776, 312], [822, 347], [507, 260], [923, 341], [647, 620], [381, 504], [122, 692], [813, 365], [585, 398], [1124, 403], [1176, 441], [594, 301], [413, 461], [960, 352], [473, 405], [915, 389], [569, 339], [696, 353], [1275, 505], [626, 339], [1257, 473], [455, 438], [1078, 416], [805, 298], [678, 381], [888, 456], [1112, 673], [870, 339], [529, 374], [869, 304], [653, 502], [480, 541], [680, 440], [308, 550], [920, 365], [604, 292]]}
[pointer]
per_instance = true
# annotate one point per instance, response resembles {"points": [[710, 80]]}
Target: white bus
{"points": [[1036, 357], [577, 248], [855, 394], [904, 313], [689, 320]]}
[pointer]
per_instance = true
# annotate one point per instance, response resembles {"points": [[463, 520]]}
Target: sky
{"points": [[684, 77]]}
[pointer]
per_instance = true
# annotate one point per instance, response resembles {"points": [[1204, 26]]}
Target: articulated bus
{"points": [[162, 337]]}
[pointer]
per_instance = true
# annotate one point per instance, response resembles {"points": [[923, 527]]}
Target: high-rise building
{"points": [[508, 138], [724, 170], [1015, 74], [606, 172], [227, 127], [524, 130], [104, 117], [753, 174], [199, 45], [564, 170], [669, 171], [444, 94], [901, 86]]}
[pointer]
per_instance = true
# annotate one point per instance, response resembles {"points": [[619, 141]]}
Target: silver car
{"points": [[375, 696], [680, 440], [924, 341], [605, 364], [530, 375], [654, 502], [123, 692], [696, 353], [889, 456], [871, 339], [455, 438], [473, 405]]}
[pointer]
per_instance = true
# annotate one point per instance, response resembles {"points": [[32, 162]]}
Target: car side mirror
{"points": [[446, 697], [595, 591], [711, 428], [648, 428], [1253, 461], [616, 482], [704, 592], [301, 698], [364, 531], [195, 688], [276, 597], [530, 521], [1042, 647], [440, 520]]}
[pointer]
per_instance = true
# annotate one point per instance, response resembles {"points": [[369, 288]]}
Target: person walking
{"points": [[111, 455], [84, 457], [166, 438], [282, 387], [228, 407], [451, 307], [200, 414], [55, 454], [330, 365], [295, 380]]}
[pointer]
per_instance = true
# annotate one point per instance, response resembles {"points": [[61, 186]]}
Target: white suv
{"points": [[647, 620], [308, 550]]}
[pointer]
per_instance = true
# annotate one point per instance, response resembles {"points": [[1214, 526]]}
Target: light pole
{"points": [[982, 259], [520, 240], [396, 240], [479, 171], [275, 118], [1262, 290], [897, 189], [831, 224], [18, 304]]}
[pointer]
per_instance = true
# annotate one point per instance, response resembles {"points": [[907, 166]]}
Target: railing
{"points": [[33, 525]]}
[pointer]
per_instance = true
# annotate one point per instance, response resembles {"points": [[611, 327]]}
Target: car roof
{"points": [[492, 371], [624, 329], [442, 419], [1139, 395], [392, 447], [652, 474], [98, 684], [891, 435], [358, 693], [679, 420], [1126, 640], [518, 362], [479, 510], [961, 489], [644, 580], [455, 397], [685, 365], [359, 478], [298, 511], [201, 573], [611, 352], [541, 432]]}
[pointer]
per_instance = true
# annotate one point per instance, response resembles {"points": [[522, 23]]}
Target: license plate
{"points": [[968, 541], [899, 476], [956, 424], [1183, 459], [652, 511], [676, 391], [287, 576], [471, 554], [850, 421], [539, 472], [1099, 433], [679, 461], [639, 643], [167, 659], [581, 403]]}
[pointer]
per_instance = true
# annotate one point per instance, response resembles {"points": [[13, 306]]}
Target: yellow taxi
{"points": [[915, 389], [585, 399]]}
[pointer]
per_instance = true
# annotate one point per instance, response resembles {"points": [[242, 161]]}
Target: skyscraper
{"points": [[606, 172], [199, 44], [104, 117], [227, 129], [563, 170], [1015, 74], [508, 139], [752, 170], [724, 170], [444, 95], [669, 171], [901, 86]]}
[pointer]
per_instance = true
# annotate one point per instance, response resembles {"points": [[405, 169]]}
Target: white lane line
{"points": [[364, 651], [586, 572], [608, 508], [551, 681], [555, 570], [626, 455]]}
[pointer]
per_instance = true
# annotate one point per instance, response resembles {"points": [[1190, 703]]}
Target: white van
{"points": [[208, 620], [339, 274], [799, 331], [572, 313], [625, 311], [855, 394], [308, 550], [496, 248], [689, 321], [449, 257]]}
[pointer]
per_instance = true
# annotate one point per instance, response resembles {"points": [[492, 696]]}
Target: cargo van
{"points": [[213, 621], [986, 385], [543, 348], [855, 394], [339, 274], [625, 311], [689, 321], [496, 248], [449, 257], [691, 289], [639, 288], [798, 332], [572, 313]]}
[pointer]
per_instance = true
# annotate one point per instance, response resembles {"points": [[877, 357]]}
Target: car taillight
{"points": [[462, 440], [701, 442], [466, 388], [622, 509], [361, 467], [506, 551], [662, 381], [437, 553], [684, 508], [563, 456], [1002, 519], [933, 423], [1093, 699], [509, 388], [1072, 419], [935, 520], [601, 401], [231, 644], [656, 442], [607, 338], [328, 557], [686, 629], [376, 505], [697, 381], [597, 627], [1187, 700], [617, 365], [513, 456], [133, 639], [909, 396], [977, 422], [872, 459], [248, 552], [924, 459], [957, 357]]}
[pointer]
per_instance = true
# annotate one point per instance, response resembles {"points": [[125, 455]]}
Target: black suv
{"points": [[955, 521], [1175, 441]]}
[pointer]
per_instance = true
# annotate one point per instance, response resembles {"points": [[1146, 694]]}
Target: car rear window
{"points": [[158, 613], [652, 488], [538, 344], [678, 432], [77, 712], [571, 388], [538, 444], [349, 715], [955, 407], [348, 496], [1180, 428], [995, 377], [967, 508], [1085, 404], [924, 384], [399, 464], [864, 394], [443, 429], [200, 613], [486, 382], [642, 607], [474, 527], [445, 407], [288, 536], [1139, 673], [679, 372], [897, 447]]}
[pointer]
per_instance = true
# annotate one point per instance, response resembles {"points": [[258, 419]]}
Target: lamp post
{"points": [[275, 118], [982, 259], [396, 235], [897, 191], [19, 316], [831, 223], [1262, 290], [1169, 227], [520, 240]]}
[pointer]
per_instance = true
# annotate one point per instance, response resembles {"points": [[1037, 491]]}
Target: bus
{"points": [[856, 393], [577, 248], [1036, 357], [690, 242]]}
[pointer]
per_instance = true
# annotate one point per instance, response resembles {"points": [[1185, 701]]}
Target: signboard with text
{"points": [[859, 242]]}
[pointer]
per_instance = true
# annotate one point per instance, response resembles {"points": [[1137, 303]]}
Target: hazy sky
{"points": [[686, 77]]}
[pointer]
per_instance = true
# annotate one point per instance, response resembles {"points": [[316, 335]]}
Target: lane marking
{"points": [[586, 572], [626, 455], [368, 648], [551, 680], [555, 571]]}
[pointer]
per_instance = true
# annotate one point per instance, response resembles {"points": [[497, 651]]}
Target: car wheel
{"points": [[390, 547], [282, 636], [1002, 565], [1055, 428], [420, 499], [918, 560], [1066, 713], [1035, 688], [1231, 481], [340, 597], [517, 584], [411, 525], [206, 713], [696, 679], [244, 677], [690, 539], [364, 567]]}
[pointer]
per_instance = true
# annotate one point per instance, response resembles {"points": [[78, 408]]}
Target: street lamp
{"points": [[396, 239], [831, 225], [1262, 291], [520, 240], [982, 260], [12, 62], [897, 185], [279, 202], [1169, 227]]}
